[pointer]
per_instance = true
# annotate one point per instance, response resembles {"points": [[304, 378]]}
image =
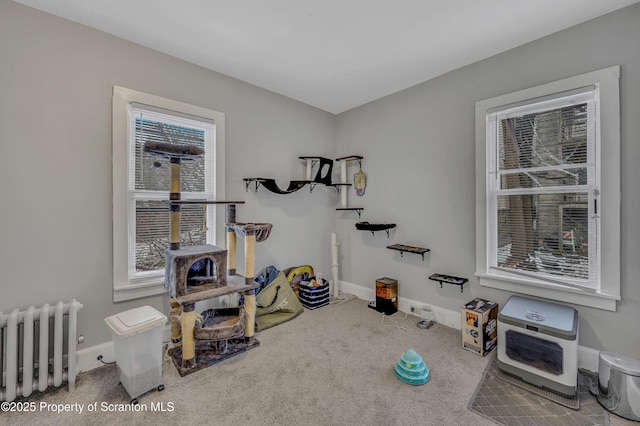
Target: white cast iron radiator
{"points": [[32, 349]]}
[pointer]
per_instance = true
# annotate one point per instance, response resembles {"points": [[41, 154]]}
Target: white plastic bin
{"points": [[137, 340]]}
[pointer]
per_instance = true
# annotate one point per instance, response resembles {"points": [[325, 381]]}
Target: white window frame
{"points": [[607, 292], [127, 286]]}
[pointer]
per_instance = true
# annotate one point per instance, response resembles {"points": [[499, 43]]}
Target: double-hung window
{"points": [[548, 162], [142, 184]]}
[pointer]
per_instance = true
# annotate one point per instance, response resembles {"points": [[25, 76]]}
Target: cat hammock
{"points": [[322, 176]]}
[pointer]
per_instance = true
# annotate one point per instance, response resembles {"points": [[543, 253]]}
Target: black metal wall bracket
{"points": [[256, 181], [355, 209]]}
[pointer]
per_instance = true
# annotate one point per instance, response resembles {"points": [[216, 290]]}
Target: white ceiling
{"points": [[332, 54]]}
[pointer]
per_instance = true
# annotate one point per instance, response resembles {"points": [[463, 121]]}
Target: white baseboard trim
{"points": [[587, 358], [87, 358], [440, 315]]}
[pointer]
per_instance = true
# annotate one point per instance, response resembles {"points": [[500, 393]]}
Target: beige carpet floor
{"points": [[329, 366]]}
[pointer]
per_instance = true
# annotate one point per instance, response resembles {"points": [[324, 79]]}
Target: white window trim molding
{"points": [[123, 288], [609, 134]]}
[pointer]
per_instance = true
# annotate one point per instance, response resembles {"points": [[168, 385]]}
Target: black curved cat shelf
{"points": [[373, 227]]}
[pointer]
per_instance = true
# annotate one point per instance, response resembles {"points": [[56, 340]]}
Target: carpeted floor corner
{"points": [[507, 404]]}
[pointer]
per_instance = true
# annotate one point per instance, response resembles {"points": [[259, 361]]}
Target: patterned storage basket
{"points": [[313, 297]]}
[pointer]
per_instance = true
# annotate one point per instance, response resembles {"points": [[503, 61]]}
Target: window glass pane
{"points": [[544, 233], [544, 179], [152, 231], [152, 172], [549, 138]]}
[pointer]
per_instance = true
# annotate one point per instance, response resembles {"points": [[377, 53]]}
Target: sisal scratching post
{"points": [[174, 241], [174, 209], [188, 343], [249, 257], [250, 308], [175, 177], [249, 273], [175, 312], [230, 216], [231, 251]]}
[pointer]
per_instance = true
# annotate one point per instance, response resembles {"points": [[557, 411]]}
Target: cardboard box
{"points": [[480, 326]]}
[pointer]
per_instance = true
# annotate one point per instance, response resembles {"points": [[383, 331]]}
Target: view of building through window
{"points": [[542, 191], [152, 175]]}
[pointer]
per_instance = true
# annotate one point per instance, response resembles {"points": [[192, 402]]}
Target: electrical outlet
{"points": [[415, 309]]}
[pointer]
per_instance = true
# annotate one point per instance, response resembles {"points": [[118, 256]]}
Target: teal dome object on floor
{"points": [[411, 369]]}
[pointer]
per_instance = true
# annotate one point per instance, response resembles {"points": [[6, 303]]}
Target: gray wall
{"points": [[56, 81], [419, 149]]}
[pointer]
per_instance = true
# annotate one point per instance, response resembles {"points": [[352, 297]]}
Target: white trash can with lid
{"points": [[619, 384], [137, 341]]}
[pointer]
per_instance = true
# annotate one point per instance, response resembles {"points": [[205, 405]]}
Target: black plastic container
{"points": [[387, 295]]}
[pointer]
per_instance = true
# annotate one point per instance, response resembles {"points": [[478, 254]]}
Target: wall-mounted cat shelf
{"points": [[357, 158], [355, 209], [323, 171], [449, 280], [373, 227], [409, 249], [343, 186]]}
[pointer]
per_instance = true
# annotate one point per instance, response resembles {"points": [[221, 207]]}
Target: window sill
{"points": [[133, 291], [562, 294]]}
